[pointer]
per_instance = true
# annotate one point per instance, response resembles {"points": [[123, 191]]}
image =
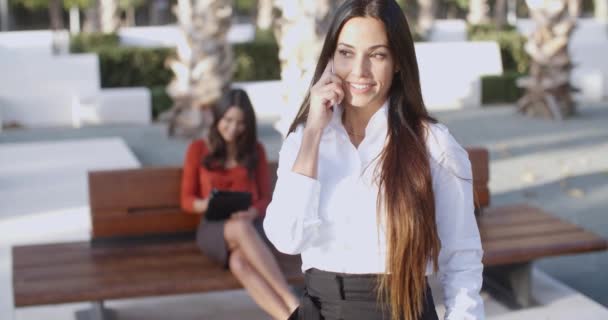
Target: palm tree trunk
{"points": [[426, 18], [109, 15], [478, 12], [500, 13], [548, 90], [55, 15], [102, 16], [4, 15], [204, 64], [130, 19], [601, 10], [264, 14], [300, 32]]}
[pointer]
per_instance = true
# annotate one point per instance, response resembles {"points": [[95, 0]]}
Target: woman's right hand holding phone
{"points": [[323, 95]]}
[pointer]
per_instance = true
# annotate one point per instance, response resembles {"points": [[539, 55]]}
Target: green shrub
{"points": [[500, 89], [511, 43], [245, 7], [161, 101], [85, 42], [257, 61], [133, 67]]}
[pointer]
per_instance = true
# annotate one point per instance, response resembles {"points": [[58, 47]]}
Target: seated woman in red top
{"points": [[232, 159]]}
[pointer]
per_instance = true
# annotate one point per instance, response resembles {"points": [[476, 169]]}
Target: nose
{"points": [[361, 67]]}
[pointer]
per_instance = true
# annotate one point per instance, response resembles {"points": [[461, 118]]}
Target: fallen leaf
{"points": [[576, 193], [528, 177]]}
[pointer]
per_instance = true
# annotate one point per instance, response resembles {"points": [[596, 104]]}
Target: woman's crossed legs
{"points": [[254, 265]]}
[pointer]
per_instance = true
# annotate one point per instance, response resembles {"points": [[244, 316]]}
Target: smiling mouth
{"points": [[360, 87]]}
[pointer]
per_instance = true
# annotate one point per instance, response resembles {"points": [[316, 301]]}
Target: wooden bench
{"points": [[142, 244]]}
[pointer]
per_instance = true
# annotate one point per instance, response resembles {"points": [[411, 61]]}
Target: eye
{"points": [[379, 55], [344, 53]]}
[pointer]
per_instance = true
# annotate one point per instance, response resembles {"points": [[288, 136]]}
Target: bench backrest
{"points": [[146, 201]]}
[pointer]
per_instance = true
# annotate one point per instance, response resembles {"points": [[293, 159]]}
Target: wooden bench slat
{"points": [[35, 255], [513, 215], [497, 232], [142, 187], [94, 273], [149, 223], [522, 250]]}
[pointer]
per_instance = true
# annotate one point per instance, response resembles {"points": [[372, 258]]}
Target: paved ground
{"points": [[561, 167]]}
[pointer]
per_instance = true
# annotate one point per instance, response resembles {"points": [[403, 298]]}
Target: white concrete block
{"points": [[49, 179], [448, 30], [590, 58], [266, 97], [171, 35], [38, 41], [120, 105], [450, 72], [38, 90], [590, 83]]}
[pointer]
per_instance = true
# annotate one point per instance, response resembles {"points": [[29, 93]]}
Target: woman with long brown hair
{"points": [[372, 191], [231, 158]]}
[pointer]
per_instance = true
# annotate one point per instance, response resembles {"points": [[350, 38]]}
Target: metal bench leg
{"points": [[511, 283], [97, 312]]}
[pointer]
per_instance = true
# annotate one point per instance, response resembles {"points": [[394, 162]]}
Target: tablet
{"points": [[222, 204]]}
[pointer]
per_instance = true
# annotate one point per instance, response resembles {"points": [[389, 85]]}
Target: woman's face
{"points": [[363, 60], [232, 124]]}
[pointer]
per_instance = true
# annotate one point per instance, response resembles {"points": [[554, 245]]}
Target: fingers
{"points": [[332, 93]]}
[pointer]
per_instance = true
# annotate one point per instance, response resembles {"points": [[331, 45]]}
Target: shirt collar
{"points": [[378, 121]]}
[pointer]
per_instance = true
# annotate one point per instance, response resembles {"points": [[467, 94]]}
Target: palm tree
{"points": [[548, 90], [102, 16], [478, 12], [55, 12], [203, 67], [300, 31], [601, 9], [426, 18], [264, 14]]}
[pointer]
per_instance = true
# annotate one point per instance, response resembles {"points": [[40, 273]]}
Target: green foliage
{"points": [[43, 4], [257, 60], [131, 66], [125, 4], [245, 7], [86, 42], [511, 43], [500, 89], [77, 3], [31, 4], [161, 101]]}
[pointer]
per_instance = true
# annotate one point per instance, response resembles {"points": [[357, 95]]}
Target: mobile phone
{"points": [[333, 107]]}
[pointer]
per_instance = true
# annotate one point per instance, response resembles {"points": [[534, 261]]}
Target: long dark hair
{"points": [[246, 142], [404, 174]]}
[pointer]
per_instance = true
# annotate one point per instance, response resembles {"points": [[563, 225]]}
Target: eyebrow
{"points": [[370, 48]]}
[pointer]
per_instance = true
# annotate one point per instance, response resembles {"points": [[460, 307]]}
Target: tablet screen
{"points": [[222, 204]]}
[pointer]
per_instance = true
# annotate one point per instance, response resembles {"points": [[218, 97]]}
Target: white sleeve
{"points": [[460, 266], [292, 218]]}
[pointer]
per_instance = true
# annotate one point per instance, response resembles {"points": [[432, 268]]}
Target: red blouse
{"points": [[198, 181]]}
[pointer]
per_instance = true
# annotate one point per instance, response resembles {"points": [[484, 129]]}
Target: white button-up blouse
{"points": [[332, 222]]}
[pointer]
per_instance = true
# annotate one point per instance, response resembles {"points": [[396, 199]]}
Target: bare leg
{"points": [[240, 234], [257, 287]]}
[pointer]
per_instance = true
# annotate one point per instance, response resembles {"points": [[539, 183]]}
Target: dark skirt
{"points": [[210, 239], [330, 295]]}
